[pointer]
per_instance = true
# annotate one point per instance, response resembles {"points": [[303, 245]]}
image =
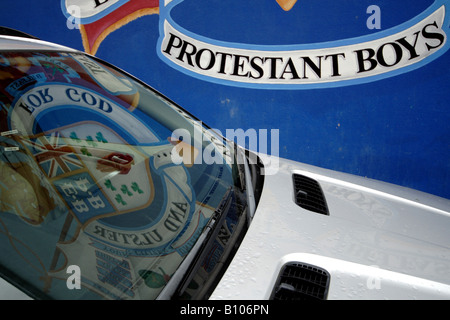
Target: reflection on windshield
{"points": [[87, 180]]}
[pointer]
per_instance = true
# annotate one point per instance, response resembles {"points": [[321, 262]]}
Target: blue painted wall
{"points": [[393, 128]]}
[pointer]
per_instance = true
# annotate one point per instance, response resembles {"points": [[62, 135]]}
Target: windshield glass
{"points": [[105, 186]]}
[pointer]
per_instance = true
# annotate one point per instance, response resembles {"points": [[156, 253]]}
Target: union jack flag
{"points": [[54, 155]]}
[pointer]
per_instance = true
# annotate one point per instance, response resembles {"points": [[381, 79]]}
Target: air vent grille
{"points": [[300, 281], [309, 195]]}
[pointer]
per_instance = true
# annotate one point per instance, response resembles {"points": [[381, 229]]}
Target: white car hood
{"points": [[379, 241]]}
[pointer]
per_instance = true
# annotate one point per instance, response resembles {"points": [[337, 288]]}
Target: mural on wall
{"points": [[355, 86], [298, 66], [96, 19], [305, 66]]}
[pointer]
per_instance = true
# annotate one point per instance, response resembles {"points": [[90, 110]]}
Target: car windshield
{"points": [[105, 185]]}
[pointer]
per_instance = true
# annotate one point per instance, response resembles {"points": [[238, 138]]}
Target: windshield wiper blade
{"points": [[246, 180], [183, 276]]}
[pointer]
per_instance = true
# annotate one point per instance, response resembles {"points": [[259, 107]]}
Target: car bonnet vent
{"points": [[308, 194], [300, 281]]}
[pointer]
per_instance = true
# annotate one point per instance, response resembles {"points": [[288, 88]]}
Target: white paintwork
{"points": [[380, 241]]}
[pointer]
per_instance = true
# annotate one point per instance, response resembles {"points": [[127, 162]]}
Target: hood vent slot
{"points": [[300, 281], [308, 194]]}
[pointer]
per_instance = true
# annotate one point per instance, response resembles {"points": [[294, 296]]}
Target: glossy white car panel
{"points": [[379, 241]]}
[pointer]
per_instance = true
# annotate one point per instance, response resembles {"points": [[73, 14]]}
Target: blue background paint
{"points": [[396, 129]]}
